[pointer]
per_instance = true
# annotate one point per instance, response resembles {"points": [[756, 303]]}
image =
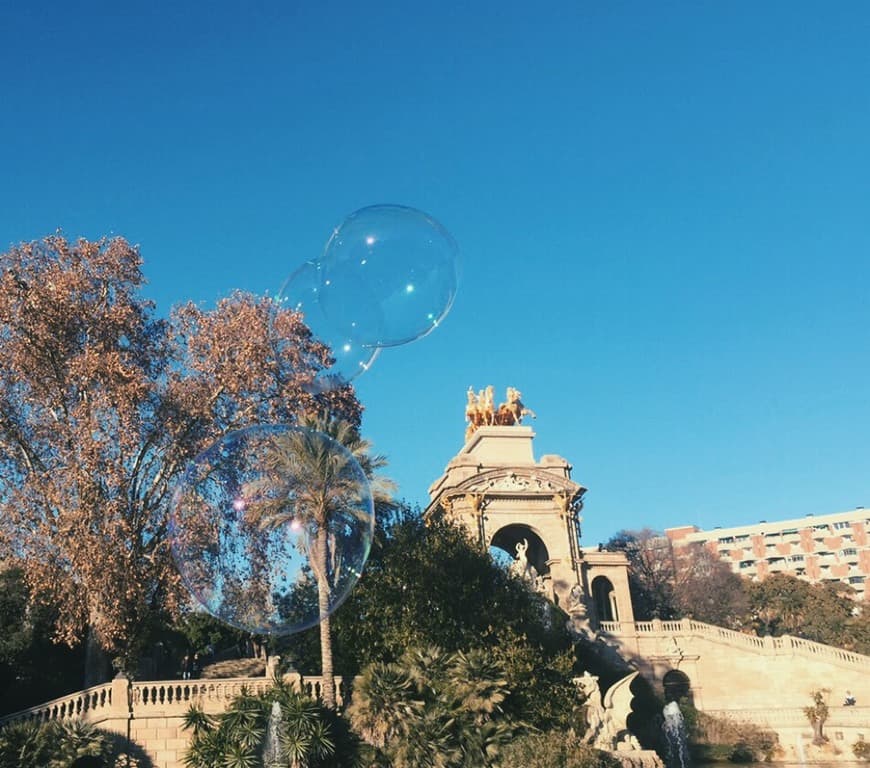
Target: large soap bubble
{"points": [[269, 524], [390, 273], [301, 293]]}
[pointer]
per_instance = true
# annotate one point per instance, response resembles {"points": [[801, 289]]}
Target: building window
{"points": [[840, 526], [790, 532], [747, 563], [726, 540], [849, 552], [743, 537], [796, 559], [856, 579]]}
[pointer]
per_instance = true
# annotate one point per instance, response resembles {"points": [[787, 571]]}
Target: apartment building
{"points": [[818, 548]]}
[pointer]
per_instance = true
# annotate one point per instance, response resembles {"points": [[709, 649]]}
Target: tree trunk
{"points": [[96, 661], [322, 574], [818, 736]]}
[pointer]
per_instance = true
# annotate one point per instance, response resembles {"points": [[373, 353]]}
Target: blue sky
{"points": [[662, 210]]}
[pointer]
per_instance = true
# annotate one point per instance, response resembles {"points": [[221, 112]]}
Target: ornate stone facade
{"points": [[530, 509]]}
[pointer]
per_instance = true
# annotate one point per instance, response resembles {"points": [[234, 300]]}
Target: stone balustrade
{"points": [[794, 717], [785, 643], [122, 699], [89, 704]]}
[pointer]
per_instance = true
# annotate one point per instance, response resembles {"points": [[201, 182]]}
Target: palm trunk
{"points": [[321, 572]]}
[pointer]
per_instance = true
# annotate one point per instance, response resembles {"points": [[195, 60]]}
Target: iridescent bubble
{"points": [[390, 273], [351, 358], [270, 523]]}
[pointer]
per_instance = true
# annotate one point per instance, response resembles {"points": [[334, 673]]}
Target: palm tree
{"points": [[235, 738], [314, 482], [432, 709]]}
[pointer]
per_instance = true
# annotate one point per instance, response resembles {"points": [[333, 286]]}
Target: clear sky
{"points": [[662, 209]]}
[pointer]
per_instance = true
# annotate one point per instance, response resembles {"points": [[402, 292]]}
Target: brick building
{"points": [[824, 548]]}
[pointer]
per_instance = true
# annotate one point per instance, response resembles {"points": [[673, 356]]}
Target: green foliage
{"points": [[715, 739], [308, 735], [433, 709], [542, 693], [50, 745], [783, 604], [555, 749], [430, 586], [202, 631], [32, 667]]}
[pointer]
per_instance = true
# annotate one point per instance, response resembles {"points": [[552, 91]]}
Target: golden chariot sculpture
{"points": [[480, 410]]}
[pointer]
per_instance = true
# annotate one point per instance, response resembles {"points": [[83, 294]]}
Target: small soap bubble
{"points": [[390, 273], [266, 521], [301, 292]]}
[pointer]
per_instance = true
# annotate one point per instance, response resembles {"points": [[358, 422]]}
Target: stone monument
{"points": [[530, 509]]}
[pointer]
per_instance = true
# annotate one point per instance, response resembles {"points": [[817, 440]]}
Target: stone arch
{"points": [[676, 685], [604, 599], [507, 537]]}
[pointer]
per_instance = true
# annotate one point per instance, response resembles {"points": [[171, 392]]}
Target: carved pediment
{"points": [[519, 482]]}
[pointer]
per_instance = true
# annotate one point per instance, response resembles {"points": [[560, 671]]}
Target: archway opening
{"points": [[508, 542], [677, 686], [604, 599]]}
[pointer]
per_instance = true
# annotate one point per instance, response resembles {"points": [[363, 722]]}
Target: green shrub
{"points": [[715, 739], [555, 749], [50, 745]]}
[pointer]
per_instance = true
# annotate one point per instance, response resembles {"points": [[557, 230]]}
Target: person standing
{"points": [[185, 667]]}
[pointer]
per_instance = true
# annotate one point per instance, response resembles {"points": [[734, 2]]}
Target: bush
{"points": [[555, 749], [307, 734], [861, 750], [717, 739]]}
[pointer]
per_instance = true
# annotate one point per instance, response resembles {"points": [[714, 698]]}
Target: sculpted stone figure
{"points": [[521, 567], [606, 719]]}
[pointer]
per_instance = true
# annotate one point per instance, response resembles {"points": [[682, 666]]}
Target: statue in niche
{"points": [[521, 567]]}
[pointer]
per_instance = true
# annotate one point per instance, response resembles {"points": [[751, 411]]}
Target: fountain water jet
{"points": [[675, 734], [272, 745]]}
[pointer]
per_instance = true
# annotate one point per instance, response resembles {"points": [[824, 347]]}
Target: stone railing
{"points": [[794, 717], [786, 643], [165, 698], [87, 704]]}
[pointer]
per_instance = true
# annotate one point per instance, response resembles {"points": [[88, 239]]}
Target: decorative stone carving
{"points": [[515, 483], [576, 601], [669, 647], [521, 568], [606, 720], [475, 501], [446, 503]]}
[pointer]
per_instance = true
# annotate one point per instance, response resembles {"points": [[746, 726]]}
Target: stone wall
{"points": [[148, 716]]}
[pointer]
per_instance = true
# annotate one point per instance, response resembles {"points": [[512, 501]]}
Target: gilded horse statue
{"points": [[481, 412]]}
